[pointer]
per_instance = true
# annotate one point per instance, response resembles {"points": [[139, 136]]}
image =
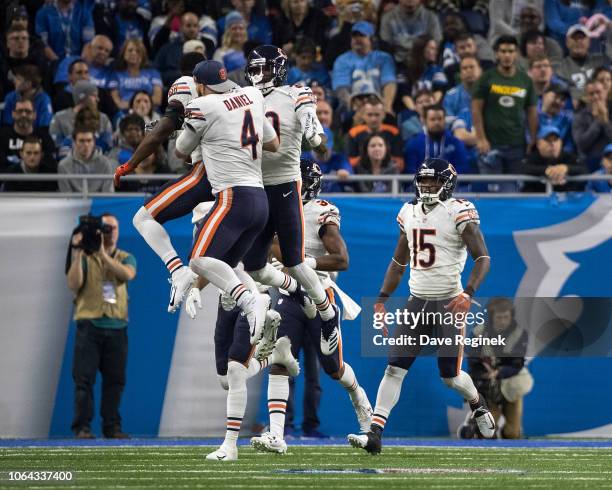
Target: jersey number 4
{"points": [[249, 136], [419, 244]]}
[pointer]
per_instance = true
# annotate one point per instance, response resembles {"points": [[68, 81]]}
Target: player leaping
{"points": [[291, 109], [435, 231]]}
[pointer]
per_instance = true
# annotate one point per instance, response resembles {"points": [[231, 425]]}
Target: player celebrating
{"points": [[178, 197], [326, 252], [230, 128], [291, 109], [435, 231]]}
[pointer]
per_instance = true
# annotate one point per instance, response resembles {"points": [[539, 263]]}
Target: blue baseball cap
{"points": [[607, 149], [214, 75], [546, 131], [363, 27]]}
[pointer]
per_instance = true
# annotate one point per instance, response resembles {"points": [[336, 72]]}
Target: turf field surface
{"points": [[414, 463]]}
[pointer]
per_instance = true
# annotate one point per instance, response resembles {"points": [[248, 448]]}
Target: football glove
{"points": [[459, 306], [380, 308], [227, 302], [193, 299], [120, 171]]}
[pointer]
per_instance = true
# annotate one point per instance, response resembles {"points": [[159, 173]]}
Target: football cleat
{"points": [[266, 345], [330, 333], [255, 311], [224, 453], [269, 443], [282, 355], [484, 419], [308, 306], [468, 429], [370, 442], [181, 282], [364, 411]]}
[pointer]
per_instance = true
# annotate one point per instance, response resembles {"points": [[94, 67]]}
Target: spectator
{"points": [[132, 75], [552, 111], [402, 24], [458, 106], [458, 42], [85, 95], [412, 121], [505, 17], [605, 169], [423, 72], [131, 133], [141, 104], [550, 161], [298, 20], [499, 372], [258, 27], [85, 158], [435, 142], [364, 65], [349, 13], [533, 46], [375, 160], [231, 51], [464, 45], [28, 86], [97, 55], [99, 283], [12, 137], [334, 163], [604, 76], [65, 26], [592, 127], [374, 115], [31, 162], [169, 55], [500, 100], [306, 70], [19, 51], [78, 70], [154, 164], [561, 15], [325, 114], [579, 65], [542, 75]]}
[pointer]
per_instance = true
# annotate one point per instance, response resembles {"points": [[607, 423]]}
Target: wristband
{"points": [[469, 290], [383, 295]]}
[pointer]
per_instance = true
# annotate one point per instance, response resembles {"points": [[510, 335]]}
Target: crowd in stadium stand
{"points": [[501, 86]]}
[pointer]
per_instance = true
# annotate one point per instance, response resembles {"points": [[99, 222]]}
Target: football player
{"points": [[325, 252], [292, 112], [436, 232], [229, 126], [177, 197]]}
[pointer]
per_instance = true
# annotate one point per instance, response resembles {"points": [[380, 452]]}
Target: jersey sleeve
{"points": [[180, 93], [194, 126], [306, 110], [464, 212], [401, 217], [327, 214], [268, 130]]}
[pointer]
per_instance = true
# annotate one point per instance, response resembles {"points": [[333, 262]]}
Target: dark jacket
{"points": [[536, 165], [31, 185]]}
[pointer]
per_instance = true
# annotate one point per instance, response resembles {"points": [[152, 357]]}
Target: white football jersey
{"points": [[184, 90], [318, 213], [437, 251], [231, 129], [285, 107]]}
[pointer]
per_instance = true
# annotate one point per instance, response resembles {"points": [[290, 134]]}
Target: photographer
{"points": [[98, 273], [499, 372]]}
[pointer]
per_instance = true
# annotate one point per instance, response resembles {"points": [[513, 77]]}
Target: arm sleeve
{"points": [[193, 128], [553, 18], [400, 218], [585, 132], [387, 74], [464, 212], [479, 91], [63, 185], [41, 26], [130, 260], [341, 74], [306, 111]]}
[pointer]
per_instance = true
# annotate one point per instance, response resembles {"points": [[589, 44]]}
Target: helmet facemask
{"points": [[432, 191]]}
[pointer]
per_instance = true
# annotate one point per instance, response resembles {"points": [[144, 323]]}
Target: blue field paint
{"points": [[390, 442]]}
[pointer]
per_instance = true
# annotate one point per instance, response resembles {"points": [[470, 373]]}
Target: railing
{"points": [[396, 184]]}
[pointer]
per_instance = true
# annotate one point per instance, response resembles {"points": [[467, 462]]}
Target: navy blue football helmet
{"points": [[443, 184], [311, 179], [266, 67]]}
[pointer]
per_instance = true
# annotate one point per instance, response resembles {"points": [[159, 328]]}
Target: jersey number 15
{"points": [[419, 244]]}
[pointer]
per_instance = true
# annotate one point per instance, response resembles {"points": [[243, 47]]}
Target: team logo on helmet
{"points": [[223, 74]]}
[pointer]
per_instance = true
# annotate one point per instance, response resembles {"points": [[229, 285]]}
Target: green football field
{"points": [[307, 466]]}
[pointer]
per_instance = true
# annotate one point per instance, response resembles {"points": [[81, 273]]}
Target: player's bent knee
{"points": [[258, 275], [140, 217], [451, 381], [279, 370], [223, 381], [236, 374], [395, 371]]}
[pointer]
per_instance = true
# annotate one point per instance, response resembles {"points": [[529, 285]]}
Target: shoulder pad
{"points": [[328, 212], [401, 216]]}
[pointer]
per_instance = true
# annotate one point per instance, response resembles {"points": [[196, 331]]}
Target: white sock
{"points": [[275, 278], [236, 401], [463, 385], [246, 278], [388, 394], [308, 278], [255, 367], [349, 381], [222, 276], [278, 392], [157, 238]]}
